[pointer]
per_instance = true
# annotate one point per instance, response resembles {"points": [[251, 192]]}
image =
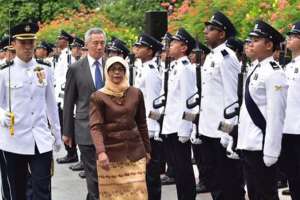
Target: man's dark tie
{"points": [[98, 77]]}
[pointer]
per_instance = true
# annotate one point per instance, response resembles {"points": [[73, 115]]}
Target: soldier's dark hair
{"points": [[267, 40]]}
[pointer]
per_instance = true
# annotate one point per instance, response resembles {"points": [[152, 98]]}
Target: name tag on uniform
{"points": [[255, 77], [175, 71], [296, 70], [212, 64]]}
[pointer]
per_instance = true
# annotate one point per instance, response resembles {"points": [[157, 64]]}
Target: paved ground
{"points": [[67, 185]]}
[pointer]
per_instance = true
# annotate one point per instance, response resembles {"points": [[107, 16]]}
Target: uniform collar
{"points": [[218, 48], [267, 60], [149, 62], [297, 59], [181, 59], [254, 63], [21, 63]]}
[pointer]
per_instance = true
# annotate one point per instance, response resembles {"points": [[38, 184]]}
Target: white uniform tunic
{"points": [[292, 119], [219, 76], [181, 86], [268, 89], [149, 81], [32, 103], [60, 73]]}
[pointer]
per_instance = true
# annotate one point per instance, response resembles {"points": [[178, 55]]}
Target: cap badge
{"points": [[293, 27], [256, 26], [212, 17], [27, 28]]}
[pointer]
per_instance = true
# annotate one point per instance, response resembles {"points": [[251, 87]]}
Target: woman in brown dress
{"points": [[120, 135]]}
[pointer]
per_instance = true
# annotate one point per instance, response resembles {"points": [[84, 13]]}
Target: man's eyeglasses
{"points": [[292, 36], [210, 28], [120, 70]]}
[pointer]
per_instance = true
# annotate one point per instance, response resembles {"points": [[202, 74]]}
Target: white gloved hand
{"points": [[183, 139], [225, 139], [193, 138], [269, 160], [156, 136], [151, 134], [56, 148], [230, 153], [7, 120]]}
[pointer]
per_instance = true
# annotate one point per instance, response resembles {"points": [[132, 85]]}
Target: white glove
{"points": [[183, 139], [156, 136], [230, 153], [225, 139], [269, 160], [7, 120], [151, 134], [56, 147], [193, 138]]}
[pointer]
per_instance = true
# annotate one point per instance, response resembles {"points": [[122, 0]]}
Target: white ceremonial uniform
{"points": [[292, 119], [219, 76], [181, 86], [149, 81], [268, 89], [60, 73], [50, 61], [32, 102]]}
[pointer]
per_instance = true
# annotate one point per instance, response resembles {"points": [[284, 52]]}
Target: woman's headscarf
{"points": [[115, 89]]}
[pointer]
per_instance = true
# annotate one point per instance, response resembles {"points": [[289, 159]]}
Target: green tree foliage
{"points": [[192, 14], [36, 10], [131, 13]]}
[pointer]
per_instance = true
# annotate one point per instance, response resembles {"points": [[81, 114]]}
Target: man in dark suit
{"points": [[83, 78]]}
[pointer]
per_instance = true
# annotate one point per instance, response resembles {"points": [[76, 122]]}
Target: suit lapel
{"points": [[86, 72]]}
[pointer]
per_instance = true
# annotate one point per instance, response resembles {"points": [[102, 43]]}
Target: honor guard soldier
{"points": [[291, 130], [76, 49], [262, 115], [64, 40], [202, 185], [237, 46], [148, 80], [249, 54], [42, 52], [28, 103], [181, 85], [118, 48], [204, 52], [8, 52], [219, 90]]}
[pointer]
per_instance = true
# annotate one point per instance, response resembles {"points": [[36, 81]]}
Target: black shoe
{"points": [[281, 184], [167, 180], [77, 167], [67, 159], [286, 192], [201, 188], [82, 174]]}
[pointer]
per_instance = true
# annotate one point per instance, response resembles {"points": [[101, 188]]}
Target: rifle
{"points": [[191, 116], [158, 62], [229, 128], [131, 64], [283, 57], [159, 117]]}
